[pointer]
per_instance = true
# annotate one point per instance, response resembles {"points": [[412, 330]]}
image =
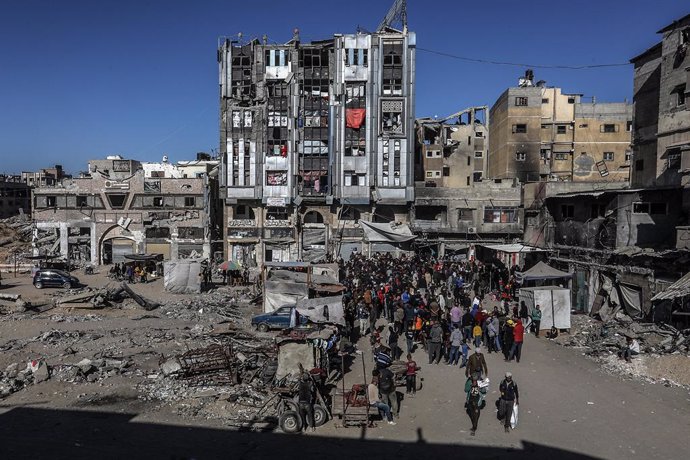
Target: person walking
{"points": [[375, 401], [363, 316], [536, 320], [524, 315], [455, 344], [455, 316], [411, 375], [467, 323], [509, 397], [477, 334], [473, 402], [508, 338], [396, 352], [465, 352], [435, 341], [476, 365], [518, 337]]}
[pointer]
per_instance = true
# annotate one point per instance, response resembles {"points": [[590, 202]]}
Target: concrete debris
{"points": [[661, 346]]}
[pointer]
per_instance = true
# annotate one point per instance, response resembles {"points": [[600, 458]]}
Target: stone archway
{"points": [[114, 242], [313, 217]]}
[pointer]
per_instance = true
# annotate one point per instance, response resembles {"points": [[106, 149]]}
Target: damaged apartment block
{"points": [[314, 136], [121, 207]]}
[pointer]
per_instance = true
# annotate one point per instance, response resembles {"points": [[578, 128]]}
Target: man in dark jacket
{"points": [[476, 365], [435, 342], [509, 396], [306, 402]]}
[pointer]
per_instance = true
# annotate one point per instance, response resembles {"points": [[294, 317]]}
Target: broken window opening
{"points": [[357, 56], [521, 101], [500, 214], [392, 117], [567, 211], [276, 178], [117, 200], [608, 128], [275, 213], [520, 128]]}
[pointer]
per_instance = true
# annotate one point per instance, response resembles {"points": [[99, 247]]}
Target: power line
{"points": [[515, 64]]}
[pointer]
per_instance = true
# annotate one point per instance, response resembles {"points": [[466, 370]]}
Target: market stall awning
{"points": [[144, 257], [386, 233], [541, 271], [680, 288]]}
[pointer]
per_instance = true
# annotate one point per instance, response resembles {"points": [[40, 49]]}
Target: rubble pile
{"points": [[664, 350], [16, 234], [602, 337], [219, 305]]}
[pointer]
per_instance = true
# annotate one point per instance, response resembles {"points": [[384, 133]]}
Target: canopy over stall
{"points": [[540, 272], [387, 232]]}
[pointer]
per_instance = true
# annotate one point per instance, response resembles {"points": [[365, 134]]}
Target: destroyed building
{"points": [[121, 207], [540, 133], [452, 152], [314, 137], [14, 196]]}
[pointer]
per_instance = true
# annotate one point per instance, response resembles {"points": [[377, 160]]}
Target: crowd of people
{"points": [[436, 305]]}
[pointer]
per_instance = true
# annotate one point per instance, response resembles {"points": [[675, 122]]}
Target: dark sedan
{"points": [[278, 319], [54, 278]]}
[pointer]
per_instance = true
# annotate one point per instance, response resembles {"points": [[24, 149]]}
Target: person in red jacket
{"points": [[518, 337]]}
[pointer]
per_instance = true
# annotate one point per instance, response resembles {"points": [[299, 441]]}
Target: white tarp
{"points": [[323, 309], [554, 303], [386, 233], [279, 293], [182, 276]]}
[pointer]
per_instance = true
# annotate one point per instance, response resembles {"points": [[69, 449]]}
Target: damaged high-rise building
{"points": [[313, 137]]}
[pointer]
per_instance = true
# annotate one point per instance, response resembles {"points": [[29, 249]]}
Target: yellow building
{"points": [[540, 133]]}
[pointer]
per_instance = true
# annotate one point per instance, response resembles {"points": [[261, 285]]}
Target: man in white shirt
{"points": [[375, 400], [631, 349]]}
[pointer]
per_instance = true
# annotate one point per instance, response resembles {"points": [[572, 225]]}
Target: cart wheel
{"points": [[418, 384], [320, 415], [290, 422]]}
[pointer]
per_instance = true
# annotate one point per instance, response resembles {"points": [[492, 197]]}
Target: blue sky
{"points": [[85, 79]]}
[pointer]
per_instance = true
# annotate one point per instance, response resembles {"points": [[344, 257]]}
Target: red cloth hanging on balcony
{"points": [[355, 117]]}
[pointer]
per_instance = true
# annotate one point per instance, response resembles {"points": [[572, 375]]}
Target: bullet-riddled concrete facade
{"points": [[119, 208], [314, 136]]}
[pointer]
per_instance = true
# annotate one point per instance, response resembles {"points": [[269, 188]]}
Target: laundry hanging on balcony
{"points": [[355, 117]]}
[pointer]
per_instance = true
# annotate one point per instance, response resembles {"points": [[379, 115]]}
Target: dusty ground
{"points": [[570, 406]]}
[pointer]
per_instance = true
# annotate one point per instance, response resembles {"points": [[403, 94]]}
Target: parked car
{"points": [[54, 278], [278, 319]]}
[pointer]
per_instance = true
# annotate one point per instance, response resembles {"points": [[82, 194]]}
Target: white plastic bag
{"points": [[514, 416]]}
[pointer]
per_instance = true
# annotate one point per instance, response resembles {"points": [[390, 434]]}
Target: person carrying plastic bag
{"points": [[508, 403]]}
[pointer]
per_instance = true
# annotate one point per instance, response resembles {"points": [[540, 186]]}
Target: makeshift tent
{"points": [[386, 233], [554, 303], [323, 309], [279, 293], [311, 352], [612, 296], [182, 276], [541, 271]]}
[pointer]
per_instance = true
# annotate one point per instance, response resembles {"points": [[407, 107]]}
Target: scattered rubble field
{"points": [[664, 351], [64, 350]]}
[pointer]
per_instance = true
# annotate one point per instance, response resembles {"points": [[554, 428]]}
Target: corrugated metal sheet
{"points": [[680, 288]]}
